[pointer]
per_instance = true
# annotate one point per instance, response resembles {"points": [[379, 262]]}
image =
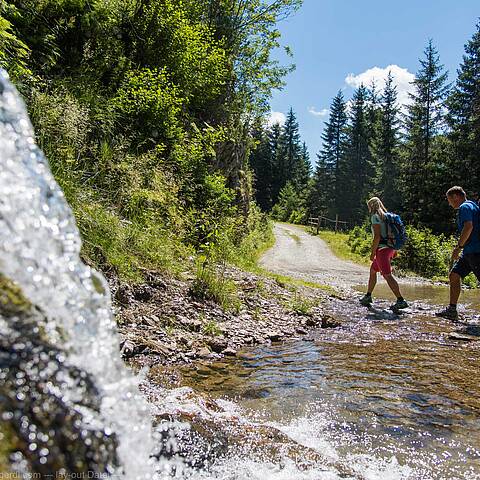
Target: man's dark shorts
{"points": [[467, 263]]}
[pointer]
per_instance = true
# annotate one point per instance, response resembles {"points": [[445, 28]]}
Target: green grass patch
{"points": [[338, 243], [296, 282], [211, 328], [209, 284], [300, 304]]}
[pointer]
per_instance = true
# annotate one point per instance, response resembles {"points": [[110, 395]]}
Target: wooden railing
{"points": [[319, 222]]}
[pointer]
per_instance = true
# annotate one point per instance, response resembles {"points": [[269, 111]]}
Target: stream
{"points": [[391, 397]]}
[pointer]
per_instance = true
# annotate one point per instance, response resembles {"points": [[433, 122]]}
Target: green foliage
{"points": [[209, 284], [13, 52], [150, 104], [300, 304], [425, 253], [144, 111], [211, 328], [290, 207]]}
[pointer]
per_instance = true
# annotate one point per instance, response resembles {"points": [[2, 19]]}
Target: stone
{"points": [[217, 344], [204, 352], [274, 336], [124, 295], [329, 322], [229, 352]]}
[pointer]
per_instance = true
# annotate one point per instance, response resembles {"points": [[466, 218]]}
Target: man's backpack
{"points": [[396, 233]]}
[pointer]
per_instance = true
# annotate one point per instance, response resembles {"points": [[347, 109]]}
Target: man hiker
{"points": [[468, 223], [381, 255]]}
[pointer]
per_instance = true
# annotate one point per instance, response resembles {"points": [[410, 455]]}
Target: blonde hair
{"points": [[375, 206]]}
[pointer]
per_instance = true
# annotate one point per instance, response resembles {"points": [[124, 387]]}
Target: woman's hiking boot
{"points": [[366, 300], [399, 304], [450, 313]]}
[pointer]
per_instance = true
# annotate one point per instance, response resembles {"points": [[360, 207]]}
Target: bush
{"points": [[424, 253]]}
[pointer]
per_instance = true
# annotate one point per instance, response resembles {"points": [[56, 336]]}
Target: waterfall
{"points": [[40, 253]]}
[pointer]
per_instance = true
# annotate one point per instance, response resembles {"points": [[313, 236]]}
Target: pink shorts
{"points": [[383, 259]]}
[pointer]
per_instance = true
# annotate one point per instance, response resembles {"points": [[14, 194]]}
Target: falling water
{"points": [[40, 254]]}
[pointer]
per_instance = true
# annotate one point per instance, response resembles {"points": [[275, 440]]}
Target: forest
{"points": [[408, 155], [146, 110]]}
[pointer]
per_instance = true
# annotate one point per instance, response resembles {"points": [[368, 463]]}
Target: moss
{"points": [[8, 444], [12, 300]]}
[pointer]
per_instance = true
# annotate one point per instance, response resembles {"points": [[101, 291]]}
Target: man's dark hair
{"points": [[456, 191]]}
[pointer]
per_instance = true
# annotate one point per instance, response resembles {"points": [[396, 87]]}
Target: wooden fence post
{"points": [[336, 223], [318, 225]]}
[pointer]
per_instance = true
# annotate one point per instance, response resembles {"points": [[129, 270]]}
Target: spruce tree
{"points": [[386, 147], [464, 118], [290, 149], [355, 170], [302, 171], [262, 162], [424, 120], [325, 198], [275, 144]]}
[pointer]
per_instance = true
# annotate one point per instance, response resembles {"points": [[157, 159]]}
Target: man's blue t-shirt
{"points": [[470, 212]]}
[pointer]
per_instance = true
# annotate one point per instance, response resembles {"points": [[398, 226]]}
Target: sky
{"points": [[338, 44]]}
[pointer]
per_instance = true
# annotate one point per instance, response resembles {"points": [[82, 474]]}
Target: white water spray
{"points": [[40, 251]]}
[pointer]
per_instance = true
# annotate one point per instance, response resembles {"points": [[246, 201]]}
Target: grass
{"points": [[338, 243], [212, 285], [211, 328], [301, 305]]}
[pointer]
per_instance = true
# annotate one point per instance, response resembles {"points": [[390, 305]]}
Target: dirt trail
{"points": [[300, 255]]}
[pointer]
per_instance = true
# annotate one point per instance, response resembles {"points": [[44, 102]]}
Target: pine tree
{"points": [[387, 147], [355, 170], [320, 196], [290, 149], [424, 120], [302, 171], [324, 198], [464, 117]]}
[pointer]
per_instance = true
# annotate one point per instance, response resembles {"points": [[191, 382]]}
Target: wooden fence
{"points": [[336, 225]]}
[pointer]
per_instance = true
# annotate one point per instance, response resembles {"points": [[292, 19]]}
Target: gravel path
{"points": [[300, 255]]}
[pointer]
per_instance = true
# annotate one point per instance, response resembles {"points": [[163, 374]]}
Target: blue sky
{"points": [[339, 43]]}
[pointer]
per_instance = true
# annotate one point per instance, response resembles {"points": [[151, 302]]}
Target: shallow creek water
{"points": [[391, 397]]}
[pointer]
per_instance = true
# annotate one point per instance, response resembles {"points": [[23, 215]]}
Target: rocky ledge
{"points": [[162, 321]]}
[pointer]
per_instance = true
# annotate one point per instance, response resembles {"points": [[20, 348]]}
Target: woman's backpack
{"points": [[396, 233]]}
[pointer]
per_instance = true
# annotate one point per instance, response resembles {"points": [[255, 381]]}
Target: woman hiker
{"points": [[381, 256]]}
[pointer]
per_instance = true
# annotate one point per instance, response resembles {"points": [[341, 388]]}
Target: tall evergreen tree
{"points": [[387, 147], [325, 197], [424, 120], [290, 148], [464, 117], [302, 171], [355, 170]]}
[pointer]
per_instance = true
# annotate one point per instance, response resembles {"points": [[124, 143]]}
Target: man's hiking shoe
{"points": [[399, 305], [366, 300], [449, 313]]}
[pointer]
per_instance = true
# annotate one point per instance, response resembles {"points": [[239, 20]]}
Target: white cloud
{"points": [[322, 113], [276, 117], [402, 78]]}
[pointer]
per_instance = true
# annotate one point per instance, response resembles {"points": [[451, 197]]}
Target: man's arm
{"points": [[464, 236]]}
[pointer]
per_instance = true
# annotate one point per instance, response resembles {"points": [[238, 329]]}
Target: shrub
{"points": [[424, 253]]}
